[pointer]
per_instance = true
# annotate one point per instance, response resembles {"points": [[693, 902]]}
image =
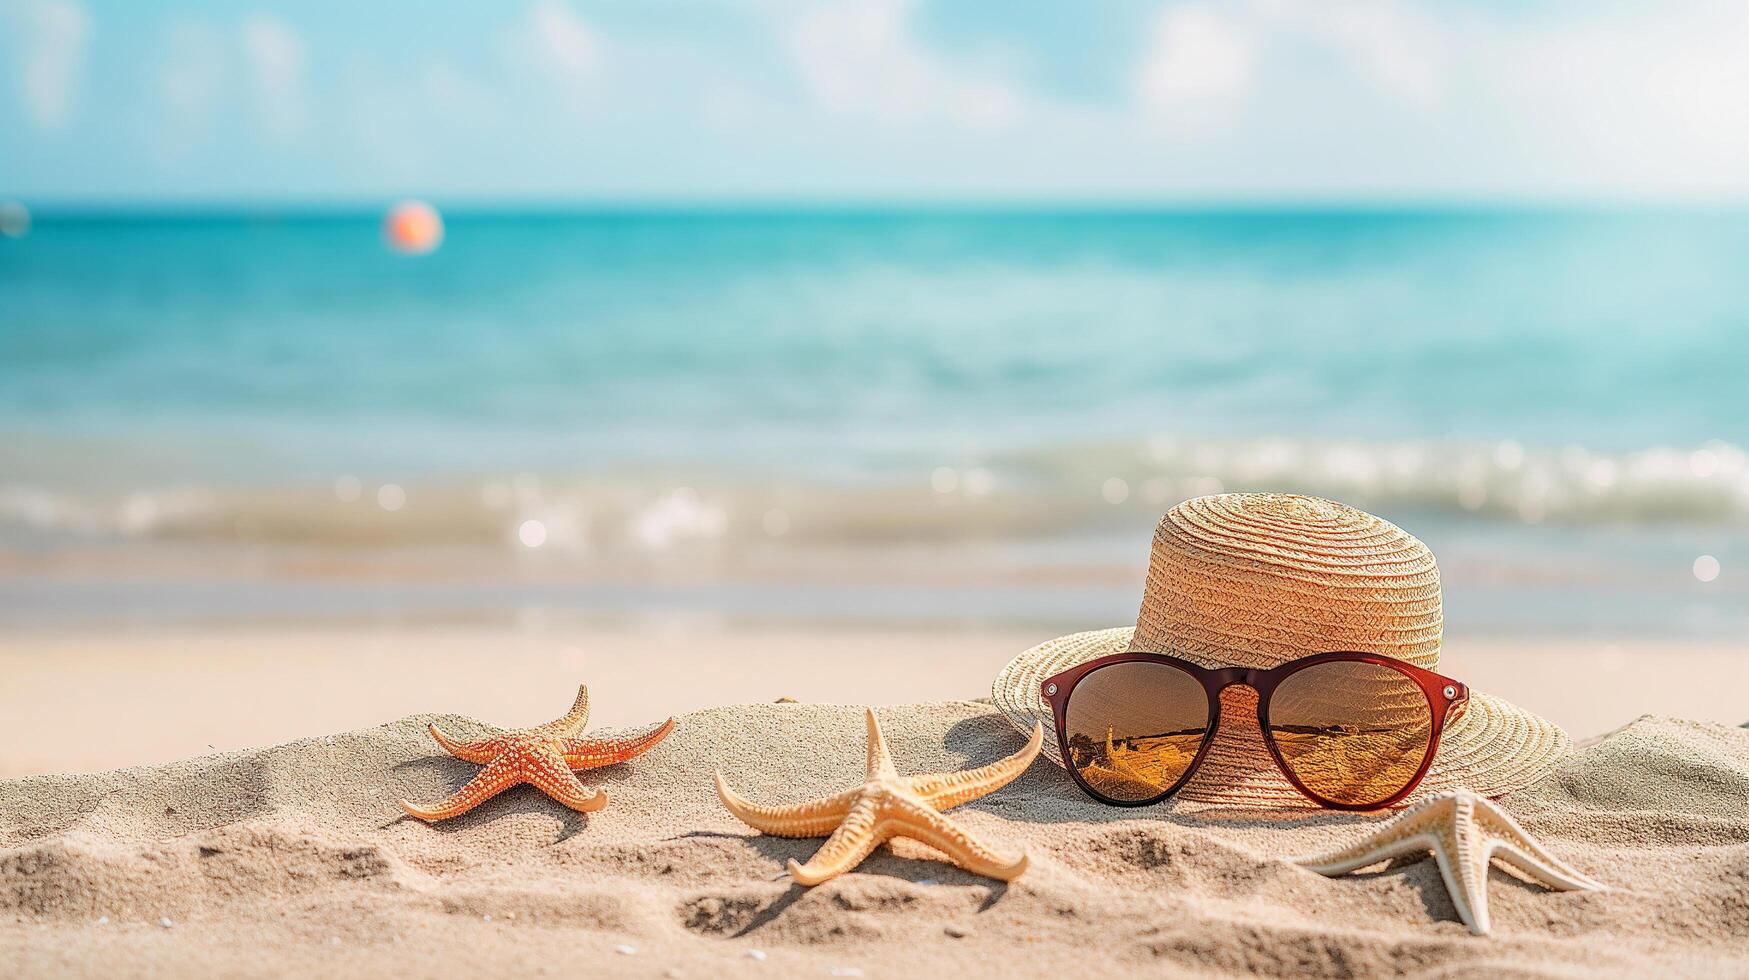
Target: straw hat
{"points": [[1258, 579]]}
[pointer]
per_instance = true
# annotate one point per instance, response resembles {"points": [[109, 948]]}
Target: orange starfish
{"points": [[543, 756]]}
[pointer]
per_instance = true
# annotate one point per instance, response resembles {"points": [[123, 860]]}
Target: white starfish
{"points": [[1464, 831]]}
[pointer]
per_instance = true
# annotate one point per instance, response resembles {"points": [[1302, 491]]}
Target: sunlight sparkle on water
{"points": [[979, 482], [138, 514], [390, 496], [1509, 455], [680, 515]]}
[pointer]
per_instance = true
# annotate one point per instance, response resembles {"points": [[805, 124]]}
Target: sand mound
{"points": [[296, 859]]}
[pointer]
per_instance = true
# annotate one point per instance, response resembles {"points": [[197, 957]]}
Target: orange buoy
{"points": [[413, 228]]}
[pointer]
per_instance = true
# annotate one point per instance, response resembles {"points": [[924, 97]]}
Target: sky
{"points": [[929, 100]]}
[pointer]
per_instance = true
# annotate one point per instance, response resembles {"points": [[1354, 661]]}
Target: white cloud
{"points": [[52, 36], [555, 42], [1379, 96], [1199, 54], [206, 70], [1204, 56], [1397, 46], [861, 58], [1653, 99], [274, 55], [191, 75], [1262, 99], [190, 80]]}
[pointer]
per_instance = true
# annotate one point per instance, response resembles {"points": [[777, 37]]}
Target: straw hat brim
{"points": [[1493, 748]]}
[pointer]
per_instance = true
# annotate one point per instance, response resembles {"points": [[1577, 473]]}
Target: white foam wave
{"points": [[1504, 480], [1022, 496]]}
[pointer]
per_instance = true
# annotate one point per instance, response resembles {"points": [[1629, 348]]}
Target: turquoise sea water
{"points": [[1535, 383]]}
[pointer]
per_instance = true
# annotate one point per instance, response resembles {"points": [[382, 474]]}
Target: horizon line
{"points": [[461, 205]]}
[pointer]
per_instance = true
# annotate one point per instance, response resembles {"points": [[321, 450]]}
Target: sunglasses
{"points": [[1351, 731]]}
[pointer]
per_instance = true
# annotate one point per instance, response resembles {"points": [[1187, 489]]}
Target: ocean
{"points": [[943, 415]]}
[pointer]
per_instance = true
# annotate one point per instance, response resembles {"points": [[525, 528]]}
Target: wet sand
{"points": [[85, 700]]}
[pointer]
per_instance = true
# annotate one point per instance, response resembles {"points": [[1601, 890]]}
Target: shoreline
{"points": [[85, 700]]}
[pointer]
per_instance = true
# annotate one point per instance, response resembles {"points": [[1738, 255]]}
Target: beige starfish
{"points": [[889, 805], [1464, 831]]}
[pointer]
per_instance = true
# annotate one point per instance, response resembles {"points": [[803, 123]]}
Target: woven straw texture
{"points": [[1256, 580]]}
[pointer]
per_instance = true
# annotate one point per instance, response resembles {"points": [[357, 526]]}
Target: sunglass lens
{"points": [[1134, 728], [1353, 733]]}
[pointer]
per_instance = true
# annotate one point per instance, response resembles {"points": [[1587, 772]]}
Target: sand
{"points": [[295, 859], [83, 700]]}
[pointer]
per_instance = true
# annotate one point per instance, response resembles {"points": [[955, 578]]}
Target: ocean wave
{"points": [[1497, 480], [1039, 493]]}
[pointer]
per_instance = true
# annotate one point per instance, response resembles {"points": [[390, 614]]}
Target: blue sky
{"points": [[1239, 100]]}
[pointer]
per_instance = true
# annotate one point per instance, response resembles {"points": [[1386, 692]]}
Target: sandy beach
{"points": [[87, 700], [295, 859]]}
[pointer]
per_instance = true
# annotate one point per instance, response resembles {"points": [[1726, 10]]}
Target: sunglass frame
{"points": [[1057, 689]]}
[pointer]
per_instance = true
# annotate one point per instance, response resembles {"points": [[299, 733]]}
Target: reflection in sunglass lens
{"points": [[1134, 728], [1353, 733]]}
